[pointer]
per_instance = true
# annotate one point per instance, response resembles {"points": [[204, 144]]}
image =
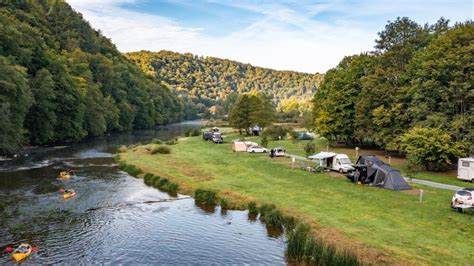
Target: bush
{"points": [[274, 218], [264, 141], [171, 142], [193, 132], [160, 149], [132, 170], [253, 208], [171, 187], [294, 135], [122, 149], [309, 148], [224, 204], [157, 141], [205, 196], [275, 132], [265, 209], [431, 147]]}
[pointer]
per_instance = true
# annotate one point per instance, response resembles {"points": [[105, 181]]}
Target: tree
{"points": [[15, 99], [240, 115], [41, 118], [309, 148], [431, 147]]}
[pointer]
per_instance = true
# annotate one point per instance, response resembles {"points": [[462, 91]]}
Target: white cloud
{"points": [[284, 38]]}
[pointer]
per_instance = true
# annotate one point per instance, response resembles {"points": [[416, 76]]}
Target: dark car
{"points": [[207, 135]]}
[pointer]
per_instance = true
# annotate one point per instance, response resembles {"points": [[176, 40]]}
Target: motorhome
{"points": [[466, 169], [333, 161]]}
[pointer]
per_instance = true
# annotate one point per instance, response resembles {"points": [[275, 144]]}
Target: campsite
{"points": [[237, 176]]}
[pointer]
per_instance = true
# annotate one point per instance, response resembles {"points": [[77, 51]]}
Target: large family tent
{"points": [[381, 174], [389, 178]]}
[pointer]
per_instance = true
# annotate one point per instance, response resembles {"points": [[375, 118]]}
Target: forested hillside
{"points": [[417, 77], [61, 80], [212, 82]]}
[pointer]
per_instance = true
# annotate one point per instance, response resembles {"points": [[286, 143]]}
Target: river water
{"points": [[115, 218]]}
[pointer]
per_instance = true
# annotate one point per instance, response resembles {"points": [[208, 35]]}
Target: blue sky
{"points": [[308, 36]]}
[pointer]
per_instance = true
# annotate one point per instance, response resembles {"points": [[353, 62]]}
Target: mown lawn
{"points": [[296, 147], [391, 222]]}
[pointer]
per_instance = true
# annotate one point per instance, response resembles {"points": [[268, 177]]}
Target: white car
{"points": [[256, 149], [463, 199]]}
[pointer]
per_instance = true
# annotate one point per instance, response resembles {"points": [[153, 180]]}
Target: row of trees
{"points": [[251, 109], [60, 80], [212, 83], [418, 76]]}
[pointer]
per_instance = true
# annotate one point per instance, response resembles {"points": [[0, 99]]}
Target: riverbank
{"points": [[380, 225]]}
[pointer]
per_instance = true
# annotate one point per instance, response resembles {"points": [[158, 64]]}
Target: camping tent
{"points": [[381, 174], [239, 146], [323, 158], [389, 178]]}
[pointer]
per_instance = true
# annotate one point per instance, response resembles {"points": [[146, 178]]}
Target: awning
{"points": [[323, 155]]}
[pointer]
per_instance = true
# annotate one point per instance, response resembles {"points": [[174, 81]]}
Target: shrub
{"points": [[253, 208], [160, 183], [431, 147], [150, 180], [224, 204], [205, 196], [132, 170], [309, 148], [171, 187], [161, 150], [294, 135], [156, 141], [297, 241], [193, 132], [171, 142], [275, 132], [147, 176], [122, 149], [265, 209], [264, 141], [274, 218]]}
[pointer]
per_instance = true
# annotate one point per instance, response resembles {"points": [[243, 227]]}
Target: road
{"points": [[412, 180]]}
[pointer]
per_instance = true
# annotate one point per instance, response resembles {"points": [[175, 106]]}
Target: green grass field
{"points": [[377, 223], [296, 147]]}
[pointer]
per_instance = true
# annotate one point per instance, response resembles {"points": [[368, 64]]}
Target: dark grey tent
{"points": [[381, 174], [389, 178]]}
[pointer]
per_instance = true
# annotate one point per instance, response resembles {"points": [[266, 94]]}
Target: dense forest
{"points": [[213, 83], [418, 80], [61, 80]]}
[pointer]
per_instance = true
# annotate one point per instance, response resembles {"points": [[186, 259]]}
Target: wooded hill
{"points": [[61, 80], [208, 81], [419, 76]]}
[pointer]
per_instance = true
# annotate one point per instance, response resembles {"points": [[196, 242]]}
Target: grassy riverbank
{"points": [[376, 223]]}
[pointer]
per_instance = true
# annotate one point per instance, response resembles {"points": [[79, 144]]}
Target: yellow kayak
{"points": [[22, 252], [64, 175], [69, 194]]}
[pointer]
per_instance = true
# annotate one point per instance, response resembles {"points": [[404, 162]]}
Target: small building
{"points": [[466, 169]]}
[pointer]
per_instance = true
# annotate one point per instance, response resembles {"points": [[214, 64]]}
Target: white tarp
{"points": [[323, 155]]}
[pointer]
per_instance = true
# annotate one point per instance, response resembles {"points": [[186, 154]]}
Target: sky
{"points": [[306, 36]]}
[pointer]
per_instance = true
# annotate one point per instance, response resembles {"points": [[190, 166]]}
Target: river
{"points": [[115, 218]]}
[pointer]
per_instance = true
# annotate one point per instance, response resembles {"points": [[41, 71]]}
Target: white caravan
{"points": [[466, 169]]}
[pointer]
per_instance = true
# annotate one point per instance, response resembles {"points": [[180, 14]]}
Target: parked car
{"points": [[256, 149], [463, 199], [217, 139], [207, 135]]}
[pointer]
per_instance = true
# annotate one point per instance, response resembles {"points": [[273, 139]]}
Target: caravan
{"points": [[466, 169]]}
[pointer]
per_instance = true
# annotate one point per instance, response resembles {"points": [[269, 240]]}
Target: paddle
{"points": [[10, 249]]}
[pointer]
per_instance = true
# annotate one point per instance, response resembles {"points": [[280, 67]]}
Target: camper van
{"points": [[333, 161], [466, 169]]}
